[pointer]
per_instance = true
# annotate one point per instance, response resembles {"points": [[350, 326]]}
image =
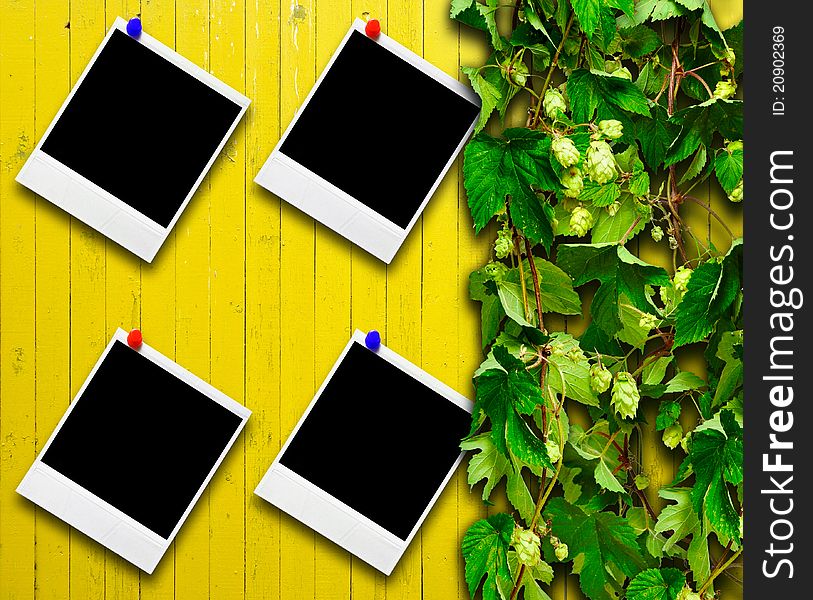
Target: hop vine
{"points": [[627, 109]]}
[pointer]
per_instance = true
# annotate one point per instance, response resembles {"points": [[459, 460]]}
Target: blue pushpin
{"points": [[373, 340], [134, 27]]}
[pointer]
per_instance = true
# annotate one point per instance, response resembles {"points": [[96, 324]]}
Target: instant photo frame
{"points": [[371, 142], [348, 469], [92, 444], [133, 140]]}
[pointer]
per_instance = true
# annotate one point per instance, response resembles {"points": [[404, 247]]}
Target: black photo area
{"points": [[379, 441], [141, 128], [141, 439], [379, 129]]}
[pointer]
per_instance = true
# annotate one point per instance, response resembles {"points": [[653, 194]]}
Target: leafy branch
{"points": [[631, 106]]}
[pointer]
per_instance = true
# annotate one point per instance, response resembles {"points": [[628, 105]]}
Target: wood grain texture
{"points": [[247, 292]]}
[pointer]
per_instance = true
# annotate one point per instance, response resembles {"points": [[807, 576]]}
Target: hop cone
{"points": [[600, 378], [736, 193], [600, 162], [581, 220], [610, 128], [725, 89], [565, 151], [625, 395], [672, 436], [526, 543], [573, 182], [553, 103]]}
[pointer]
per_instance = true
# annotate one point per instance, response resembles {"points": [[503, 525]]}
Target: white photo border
{"points": [[335, 208], [97, 518], [328, 515], [98, 208]]}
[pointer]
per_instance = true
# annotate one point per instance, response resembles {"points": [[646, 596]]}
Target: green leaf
{"points": [[504, 395], [555, 288], [594, 445], [696, 166], [458, 6], [639, 41], [600, 195], [728, 168], [594, 541], [485, 550], [655, 135], [668, 414], [680, 521], [717, 459], [494, 168], [569, 370], [612, 228], [588, 12], [620, 274], [489, 463], [700, 122], [729, 351], [594, 92], [712, 289], [510, 295], [472, 17], [483, 289], [656, 584], [655, 371]]}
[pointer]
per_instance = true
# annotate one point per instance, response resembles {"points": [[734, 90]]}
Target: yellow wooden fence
{"points": [[247, 292]]}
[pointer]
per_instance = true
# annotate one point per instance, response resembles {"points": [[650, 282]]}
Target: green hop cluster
{"points": [[610, 128], [600, 378], [732, 147], [611, 66], [730, 57], [560, 549], [648, 321], [625, 396], [613, 209], [517, 72], [656, 233], [573, 182], [681, 279], [641, 482], [725, 89], [503, 244], [600, 162], [672, 436], [495, 271], [526, 544], [581, 220], [554, 451], [687, 594], [565, 151], [553, 103], [736, 193]]}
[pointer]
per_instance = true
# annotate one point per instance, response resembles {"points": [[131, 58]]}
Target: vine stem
{"points": [[554, 63], [712, 213], [717, 570], [521, 274], [535, 277]]}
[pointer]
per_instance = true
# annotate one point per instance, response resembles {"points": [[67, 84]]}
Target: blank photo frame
{"points": [[133, 140], [371, 142], [134, 452], [364, 465]]}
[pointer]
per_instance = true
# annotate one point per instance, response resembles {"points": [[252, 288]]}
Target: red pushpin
{"points": [[373, 28], [134, 339]]}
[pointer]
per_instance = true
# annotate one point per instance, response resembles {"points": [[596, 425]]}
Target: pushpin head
{"points": [[373, 30], [134, 339], [134, 27], [373, 340]]}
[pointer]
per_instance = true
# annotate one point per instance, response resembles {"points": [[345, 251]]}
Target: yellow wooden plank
{"points": [[193, 313], [17, 301], [332, 303], [89, 334], [53, 294], [122, 309], [441, 305], [158, 299], [368, 291], [405, 24], [262, 297], [297, 276], [227, 248]]}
